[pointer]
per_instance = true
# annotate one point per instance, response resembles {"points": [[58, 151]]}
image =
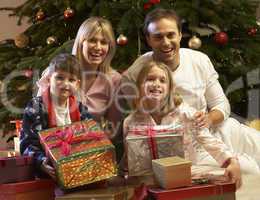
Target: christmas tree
{"points": [[226, 30]]}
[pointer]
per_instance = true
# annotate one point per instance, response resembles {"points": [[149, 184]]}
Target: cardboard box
{"points": [[29, 190], [80, 152], [223, 191], [172, 172], [14, 168], [145, 143]]}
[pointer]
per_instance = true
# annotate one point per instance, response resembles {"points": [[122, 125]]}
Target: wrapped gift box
{"points": [[29, 190], [80, 152], [220, 190], [144, 143], [172, 172], [110, 193], [15, 168]]}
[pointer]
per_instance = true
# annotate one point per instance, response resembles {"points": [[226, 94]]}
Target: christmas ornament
{"points": [[252, 31], [147, 6], [194, 42], [28, 73], [122, 40], [68, 13], [21, 40], [221, 38], [51, 40], [154, 1], [40, 15]]}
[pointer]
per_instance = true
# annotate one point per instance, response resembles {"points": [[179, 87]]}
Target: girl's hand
{"points": [[233, 172], [48, 168], [202, 120]]}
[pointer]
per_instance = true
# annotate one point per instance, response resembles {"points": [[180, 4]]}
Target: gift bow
{"points": [[66, 137], [150, 132]]}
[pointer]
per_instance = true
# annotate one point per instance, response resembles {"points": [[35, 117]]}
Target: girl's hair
{"points": [[88, 29], [65, 62], [172, 100]]}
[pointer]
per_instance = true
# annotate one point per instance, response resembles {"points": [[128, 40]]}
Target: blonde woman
{"points": [[95, 47]]}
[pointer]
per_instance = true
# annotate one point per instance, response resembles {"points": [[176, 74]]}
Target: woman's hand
{"points": [[233, 172], [202, 120], [48, 168]]}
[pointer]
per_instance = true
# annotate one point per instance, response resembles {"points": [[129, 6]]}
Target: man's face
{"points": [[164, 38]]}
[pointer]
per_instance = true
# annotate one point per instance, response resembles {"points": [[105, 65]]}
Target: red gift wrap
{"points": [[30, 190], [214, 191], [16, 168]]}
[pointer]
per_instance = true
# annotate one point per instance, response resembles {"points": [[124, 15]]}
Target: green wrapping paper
{"points": [[145, 143], [80, 152]]}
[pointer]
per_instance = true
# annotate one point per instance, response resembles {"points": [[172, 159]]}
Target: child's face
{"points": [[95, 50], [63, 84], [156, 85]]}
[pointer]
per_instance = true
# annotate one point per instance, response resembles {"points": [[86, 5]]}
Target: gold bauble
{"points": [[194, 42], [51, 40], [21, 40]]}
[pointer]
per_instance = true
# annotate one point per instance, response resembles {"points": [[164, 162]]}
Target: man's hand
{"points": [[206, 120], [48, 169], [202, 120], [233, 172]]}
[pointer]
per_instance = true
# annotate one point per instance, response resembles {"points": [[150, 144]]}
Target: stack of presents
{"points": [[85, 162]]}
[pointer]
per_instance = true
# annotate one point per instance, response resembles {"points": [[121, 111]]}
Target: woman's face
{"points": [[95, 50], [155, 86]]}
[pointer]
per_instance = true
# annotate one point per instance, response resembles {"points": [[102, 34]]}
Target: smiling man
{"points": [[197, 82]]}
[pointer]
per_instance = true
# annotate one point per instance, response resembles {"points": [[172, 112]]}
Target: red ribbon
{"points": [[150, 132], [66, 138]]}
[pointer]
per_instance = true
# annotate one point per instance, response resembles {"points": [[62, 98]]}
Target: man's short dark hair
{"points": [[160, 13]]}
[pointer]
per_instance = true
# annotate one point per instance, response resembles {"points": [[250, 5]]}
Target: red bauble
{"points": [[28, 73], [147, 6], [221, 38], [40, 15], [252, 31], [154, 1], [122, 40], [68, 13]]}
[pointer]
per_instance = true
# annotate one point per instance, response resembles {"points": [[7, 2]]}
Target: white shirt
{"points": [[62, 115], [196, 81]]}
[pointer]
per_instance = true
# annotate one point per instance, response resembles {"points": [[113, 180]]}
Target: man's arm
{"points": [[217, 102], [207, 120]]}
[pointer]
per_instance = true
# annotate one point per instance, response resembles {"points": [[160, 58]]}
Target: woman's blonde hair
{"points": [[172, 100], [87, 30]]}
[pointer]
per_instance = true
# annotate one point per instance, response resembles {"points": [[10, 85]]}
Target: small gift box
{"points": [[145, 143], [172, 172], [80, 152], [29, 190], [15, 168]]}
